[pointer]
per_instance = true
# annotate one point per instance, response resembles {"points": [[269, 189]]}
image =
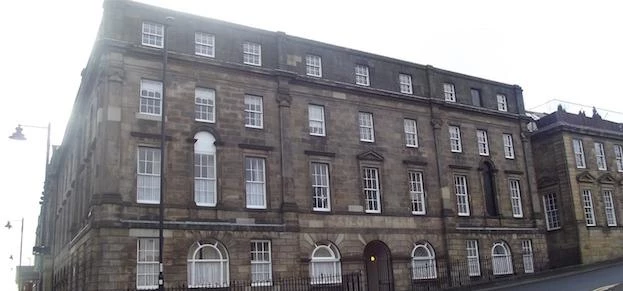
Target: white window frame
{"points": [[253, 111], [449, 92], [252, 53], [528, 256], [148, 176], [321, 190], [587, 205], [205, 178], [501, 263], [552, 217], [502, 104], [204, 44], [261, 263], [515, 191], [196, 263], [325, 269], [255, 182], [313, 66], [411, 138], [406, 84], [423, 264], [473, 258], [618, 153], [455, 139], [366, 127], [152, 34], [611, 217], [150, 93], [600, 156], [205, 105], [509, 148], [147, 263], [483, 142], [362, 75], [315, 114], [462, 195], [371, 189], [416, 192], [578, 150]]}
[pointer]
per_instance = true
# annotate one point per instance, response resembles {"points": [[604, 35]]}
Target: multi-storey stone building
{"points": [[284, 157], [579, 161]]}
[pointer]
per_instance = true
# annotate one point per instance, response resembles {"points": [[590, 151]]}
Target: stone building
{"points": [[578, 163], [284, 157]]}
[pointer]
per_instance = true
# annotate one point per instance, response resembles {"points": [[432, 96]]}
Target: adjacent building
{"points": [[283, 157]]}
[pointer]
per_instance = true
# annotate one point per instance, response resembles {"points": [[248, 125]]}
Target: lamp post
{"points": [[19, 135]]}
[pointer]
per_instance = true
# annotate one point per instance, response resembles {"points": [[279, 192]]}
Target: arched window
{"points": [[325, 265], [423, 262], [502, 260], [205, 169], [208, 265]]}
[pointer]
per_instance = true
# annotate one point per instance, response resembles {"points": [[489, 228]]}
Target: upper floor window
{"points": [[578, 150], [204, 44], [618, 153], [362, 75], [462, 198], [151, 97], [253, 111], [600, 155], [148, 175], [320, 187], [405, 84], [455, 139], [316, 120], [325, 266], [313, 66], [611, 218], [153, 34], [261, 263], [416, 191], [366, 127], [205, 169], [552, 218], [509, 151], [483, 142], [476, 97], [502, 103], [147, 263], [410, 133], [255, 180], [448, 92], [204, 105], [587, 202], [515, 198], [252, 53], [372, 190]]}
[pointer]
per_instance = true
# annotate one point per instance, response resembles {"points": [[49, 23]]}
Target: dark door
{"points": [[379, 273]]}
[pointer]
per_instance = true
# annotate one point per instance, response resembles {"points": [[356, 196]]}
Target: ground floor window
{"points": [[208, 265], [501, 259], [423, 262], [528, 258], [325, 266]]}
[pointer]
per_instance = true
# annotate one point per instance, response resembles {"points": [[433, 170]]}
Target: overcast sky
{"points": [[567, 50]]}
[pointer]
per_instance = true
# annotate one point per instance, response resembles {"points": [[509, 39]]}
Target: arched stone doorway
{"points": [[378, 261]]}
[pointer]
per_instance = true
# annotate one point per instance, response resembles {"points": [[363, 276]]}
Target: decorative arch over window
{"points": [[423, 261], [208, 265], [325, 266], [501, 259], [205, 169]]}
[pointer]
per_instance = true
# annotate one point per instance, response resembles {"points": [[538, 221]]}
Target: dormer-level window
{"points": [[502, 103], [252, 53], [362, 75], [153, 34], [448, 92]]}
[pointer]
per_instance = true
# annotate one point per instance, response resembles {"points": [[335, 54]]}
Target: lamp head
{"points": [[18, 135], [8, 225]]}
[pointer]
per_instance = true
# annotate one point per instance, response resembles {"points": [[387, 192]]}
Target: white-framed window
{"points": [[473, 258], [151, 97], [255, 182], [410, 126], [528, 257], [204, 44], [587, 203], [366, 127], [578, 150], [550, 205], [252, 53], [148, 175], [502, 106], [462, 198], [455, 139], [502, 261], [423, 262], [406, 86], [205, 169], [205, 109], [313, 66], [153, 34], [448, 92], [316, 120], [416, 191], [325, 266], [261, 263], [372, 190], [208, 265], [320, 187], [362, 75], [483, 142], [600, 155], [515, 198], [618, 153], [147, 263], [509, 150], [611, 217], [253, 111]]}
